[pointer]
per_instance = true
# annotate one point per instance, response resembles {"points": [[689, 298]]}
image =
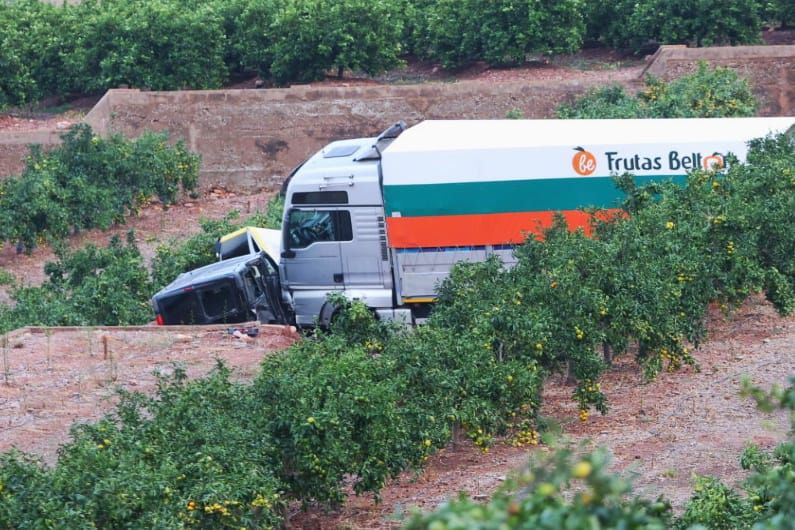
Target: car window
{"points": [[182, 308], [218, 300]]}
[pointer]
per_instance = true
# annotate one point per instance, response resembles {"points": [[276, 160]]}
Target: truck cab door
{"points": [[311, 262]]}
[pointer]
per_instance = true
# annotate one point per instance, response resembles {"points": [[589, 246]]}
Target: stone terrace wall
{"points": [[251, 139], [771, 70]]}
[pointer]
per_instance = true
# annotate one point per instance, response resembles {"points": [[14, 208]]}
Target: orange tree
{"points": [[91, 182]]}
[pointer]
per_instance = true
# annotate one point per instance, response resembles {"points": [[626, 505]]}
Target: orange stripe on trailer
{"points": [[478, 229]]}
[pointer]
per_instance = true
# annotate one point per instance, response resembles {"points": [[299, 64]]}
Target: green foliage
{"points": [[6, 278], [184, 459], [778, 12], [90, 46], [360, 35], [535, 498], [695, 22], [643, 280], [367, 401], [610, 102], [175, 257], [91, 182], [155, 44], [716, 507], [557, 492], [644, 24], [17, 85], [87, 47], [272, 216], [89, 286], [705, 93], [769, 499], [251, 36], [36, 38], [457, 33], [754, 458]]}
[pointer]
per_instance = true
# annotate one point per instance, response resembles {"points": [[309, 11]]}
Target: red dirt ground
{"points": [[54, 377]]}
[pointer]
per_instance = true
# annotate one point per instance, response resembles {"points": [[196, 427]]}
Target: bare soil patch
{"points": [[660, 433], [52, 378]]}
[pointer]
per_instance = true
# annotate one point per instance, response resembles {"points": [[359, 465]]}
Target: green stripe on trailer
{"points": [[509, 195]]}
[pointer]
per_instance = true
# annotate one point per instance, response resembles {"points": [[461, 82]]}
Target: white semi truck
{"points": [[384, 219]]}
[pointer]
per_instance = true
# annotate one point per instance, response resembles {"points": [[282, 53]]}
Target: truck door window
{"points": [[305, 227]]}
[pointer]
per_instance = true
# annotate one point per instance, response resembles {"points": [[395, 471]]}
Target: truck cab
{"points": [[334, 233]]}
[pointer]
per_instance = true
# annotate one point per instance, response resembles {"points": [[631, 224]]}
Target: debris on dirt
{"points": [[243, 332]]}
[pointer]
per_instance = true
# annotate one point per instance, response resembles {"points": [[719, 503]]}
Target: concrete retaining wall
{"points": [[251, 139]]}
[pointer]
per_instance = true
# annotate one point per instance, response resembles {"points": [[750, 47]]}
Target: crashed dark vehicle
{"points": [[240, 289]]}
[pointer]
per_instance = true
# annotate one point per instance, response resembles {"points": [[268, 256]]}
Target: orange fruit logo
{"points": [[713, 162], [583, 162]]}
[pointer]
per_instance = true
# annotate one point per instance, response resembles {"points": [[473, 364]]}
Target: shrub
{"points": [[367, 401], [37, 40], [457, 33], [156, 44], [717, 507], [90, 286], [250, 36], [695, 22], [17, 85], [91, 182], [180, 460], [705, 93], [175, 257], [643, 25], [610, 102], [359, 35], [536, 498], [779, 11]]}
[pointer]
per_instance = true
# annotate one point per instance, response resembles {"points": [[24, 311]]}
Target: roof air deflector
{"points": [[383, 140]]}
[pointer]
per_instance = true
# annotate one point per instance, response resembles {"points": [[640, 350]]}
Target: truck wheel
{"points": [[327, 315]]}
